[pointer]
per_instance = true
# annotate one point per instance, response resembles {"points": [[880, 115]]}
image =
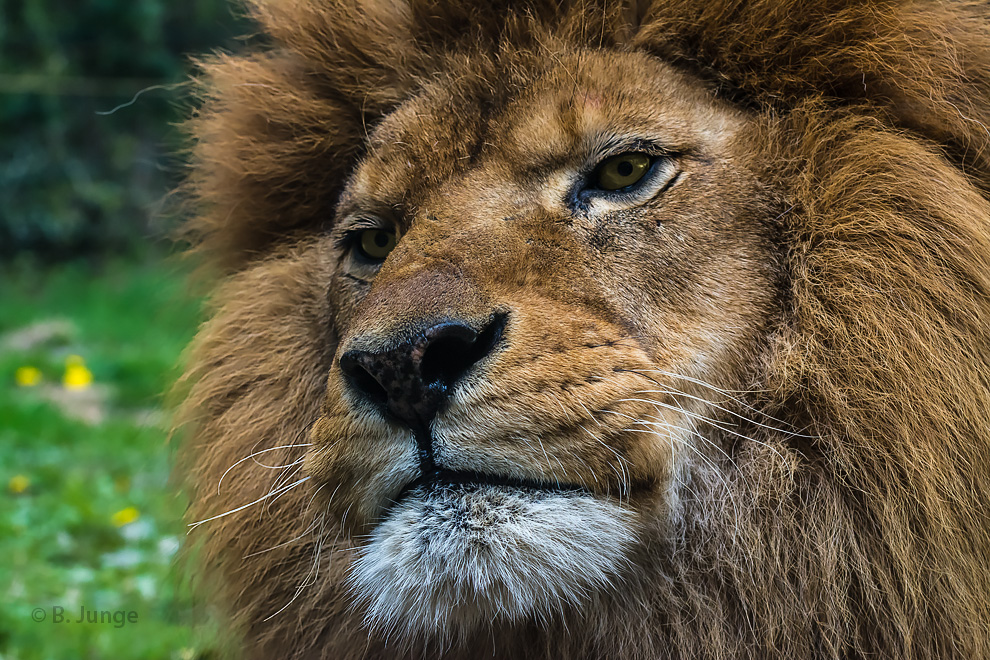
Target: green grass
{"points": [[89, 455]]}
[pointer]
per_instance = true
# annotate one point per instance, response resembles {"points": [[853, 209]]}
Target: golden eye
{"points": [[622, 171], [375, 244]]}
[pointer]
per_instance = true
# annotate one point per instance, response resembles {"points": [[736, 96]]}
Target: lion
{"points": [[583, 329]]}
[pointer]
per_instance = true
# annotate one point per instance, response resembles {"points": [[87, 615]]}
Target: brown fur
{"points": [[838, 507]]}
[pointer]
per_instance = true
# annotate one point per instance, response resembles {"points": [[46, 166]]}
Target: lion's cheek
{"points": [[358, 471]]}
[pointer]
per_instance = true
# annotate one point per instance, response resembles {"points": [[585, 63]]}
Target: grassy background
{"points": [[87, 517], [90, 91]]}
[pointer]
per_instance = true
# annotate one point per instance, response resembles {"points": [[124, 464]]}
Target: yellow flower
{"points": [[27, 376], [77, 376], [18, 484], [125, 516]]}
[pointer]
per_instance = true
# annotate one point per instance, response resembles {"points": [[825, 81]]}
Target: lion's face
{"points": [[578, 272], [596, 330]]}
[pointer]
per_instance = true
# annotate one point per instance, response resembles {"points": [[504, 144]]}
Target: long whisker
{"points": [[585, 464], [285, 476], [692, 415], [547, 456], [720, 427], [725, 393], [249, 457], [557, 400], [590, 414], [708, 462], [621, 472], [636, 420], [692, 431], [316, 521], [311, 577], [676, 392], [723, 481], [242, 507], [658, 421]]}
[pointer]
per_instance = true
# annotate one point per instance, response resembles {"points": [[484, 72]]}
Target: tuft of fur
{"points": [[456, 559], [865, 536]]}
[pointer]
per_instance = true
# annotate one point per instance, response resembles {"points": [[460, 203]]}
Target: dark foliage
{"points": [[75, 181]]}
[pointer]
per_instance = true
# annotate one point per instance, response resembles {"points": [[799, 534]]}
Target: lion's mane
{"points": [[871, 538]]}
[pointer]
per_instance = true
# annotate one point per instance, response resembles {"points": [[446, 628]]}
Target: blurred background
{"points": [[95, 310]]}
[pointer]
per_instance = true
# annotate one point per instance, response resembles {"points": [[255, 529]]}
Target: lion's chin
{"points": [[448, 558]]}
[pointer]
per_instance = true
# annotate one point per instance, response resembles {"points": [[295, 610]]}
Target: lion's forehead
{"points": [[505, 131]]}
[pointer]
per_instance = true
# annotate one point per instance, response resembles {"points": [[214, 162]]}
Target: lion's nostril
{"points": [[361, 378], [452, 352], [412, 380], [445, 360]]}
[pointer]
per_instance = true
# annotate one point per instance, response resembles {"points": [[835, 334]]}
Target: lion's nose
{"points": [[413, 379]]}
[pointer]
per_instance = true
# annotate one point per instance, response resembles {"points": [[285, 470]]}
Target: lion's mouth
{"points": [[440, 479]]}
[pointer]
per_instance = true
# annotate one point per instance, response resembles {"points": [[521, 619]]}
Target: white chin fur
{"points": [[447, 560]]}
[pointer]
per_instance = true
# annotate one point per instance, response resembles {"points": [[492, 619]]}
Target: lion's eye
{"points": [[375, 244], [621, 171]]}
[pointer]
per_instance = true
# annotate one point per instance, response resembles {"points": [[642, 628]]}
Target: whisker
{"points": [[246, 458], [723, 481], [292, 475], [725, 393], [590, 471], [549, 464], [676, 392], [242, 507], [316, 521], [567, 415], [783, 460], [278, 467], [621, 472], [693, 415], [657, 421], [692, 431], [590, 414], [314, 572], [719, 426]]}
